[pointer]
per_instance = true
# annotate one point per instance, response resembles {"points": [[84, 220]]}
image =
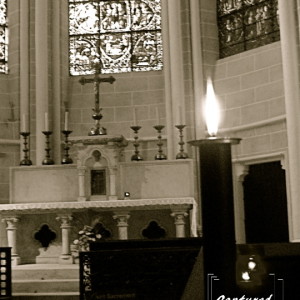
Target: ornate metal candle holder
{"points": [[25, 161], [136, 156], [47, 160], [66, 159], [97, 116], [160, 155], [181, 154]]}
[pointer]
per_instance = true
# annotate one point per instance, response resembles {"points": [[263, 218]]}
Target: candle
{"points": [[66, 120], [219, 254], [134, 116], [24, 123], [46, 122], [157, 116], [180, 115]]}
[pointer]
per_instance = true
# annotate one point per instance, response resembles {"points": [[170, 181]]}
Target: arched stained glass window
{"points": [[246, 24], [3, 37], [107, 36]]}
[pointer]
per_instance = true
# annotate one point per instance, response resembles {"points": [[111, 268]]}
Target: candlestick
{"points": [[25, 161], [219, 248], [98, 130], [160, 155], [136, 156], [66, 159], [47, 160], [181, 154]]}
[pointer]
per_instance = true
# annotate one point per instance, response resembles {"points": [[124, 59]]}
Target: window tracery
{"points": [[246, 24], [109, 36], [3, 37]]}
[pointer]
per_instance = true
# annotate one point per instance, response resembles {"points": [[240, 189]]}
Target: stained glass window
{"points": [[114, 36], [3, 37], [246, 24]]}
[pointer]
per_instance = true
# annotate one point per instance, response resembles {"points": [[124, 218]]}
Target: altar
{"points": [[50, 204]]}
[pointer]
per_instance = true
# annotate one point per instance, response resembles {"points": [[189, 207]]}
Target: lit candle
{"points": [[157, 116], [212, 110], [219, 254], [66, 120], [134, 116], [46, 122]]}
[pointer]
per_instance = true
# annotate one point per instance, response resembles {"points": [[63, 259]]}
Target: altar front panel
{"points": [[43, 184]]}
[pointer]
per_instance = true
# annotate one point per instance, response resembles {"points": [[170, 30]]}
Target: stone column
{"points": [[11, 230], [122, 223], [239, 173], [66, 257], [81, 182], [290, 61], [197, 67], [179, 222], [112, 183], [56, 79], [173, 70], [42, 74], [24, 67]]}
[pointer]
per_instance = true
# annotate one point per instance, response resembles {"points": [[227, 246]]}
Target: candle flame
{"points": [[212, 110]]}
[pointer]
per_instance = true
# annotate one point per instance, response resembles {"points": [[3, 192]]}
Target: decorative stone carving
{"points": [[99, 153], [179, 217], [65, 220], [11, 231], [154, 231], [122, 223]]}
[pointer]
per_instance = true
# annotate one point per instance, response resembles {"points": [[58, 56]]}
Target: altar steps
{"points": [[45, 282]]}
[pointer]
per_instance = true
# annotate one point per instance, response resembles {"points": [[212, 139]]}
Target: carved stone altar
{"points": [[64, 197]]}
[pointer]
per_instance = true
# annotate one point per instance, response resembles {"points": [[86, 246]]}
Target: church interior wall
{"points": [[249, 85]]}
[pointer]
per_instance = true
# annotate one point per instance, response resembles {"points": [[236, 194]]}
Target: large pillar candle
{"points": [[219, 247]]}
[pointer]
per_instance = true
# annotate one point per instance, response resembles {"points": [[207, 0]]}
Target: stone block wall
{"points": [[251, 92]]}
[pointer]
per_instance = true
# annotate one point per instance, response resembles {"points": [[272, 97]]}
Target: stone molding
{"points": [[140, 204]]}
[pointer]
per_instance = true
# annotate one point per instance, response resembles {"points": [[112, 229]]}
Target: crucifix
{"points": [[97, 116]]}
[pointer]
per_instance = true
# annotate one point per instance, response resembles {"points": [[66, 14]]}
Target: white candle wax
{"points": [[157, 116], [134, 116], [180, 115], [66, 120], [24, 124], [46, 122]]}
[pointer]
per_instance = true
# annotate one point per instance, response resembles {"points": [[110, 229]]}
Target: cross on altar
{"points": [[97, 116]]}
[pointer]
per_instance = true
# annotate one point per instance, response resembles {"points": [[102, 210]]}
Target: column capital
{"points": [[65, 220], [122, 218], [11, 222], [179, 217]]}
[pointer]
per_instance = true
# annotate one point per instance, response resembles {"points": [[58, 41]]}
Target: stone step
{"points": [[45, 282], [45, 286], [44, 272], [46, 296]]}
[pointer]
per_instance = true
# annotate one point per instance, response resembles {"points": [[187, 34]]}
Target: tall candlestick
{"points": [[66, 121], [46, 122], [219, 248]]}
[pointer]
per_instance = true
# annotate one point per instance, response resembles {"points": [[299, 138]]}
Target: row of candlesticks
{"points": [[66, 157], [47, 160]]}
